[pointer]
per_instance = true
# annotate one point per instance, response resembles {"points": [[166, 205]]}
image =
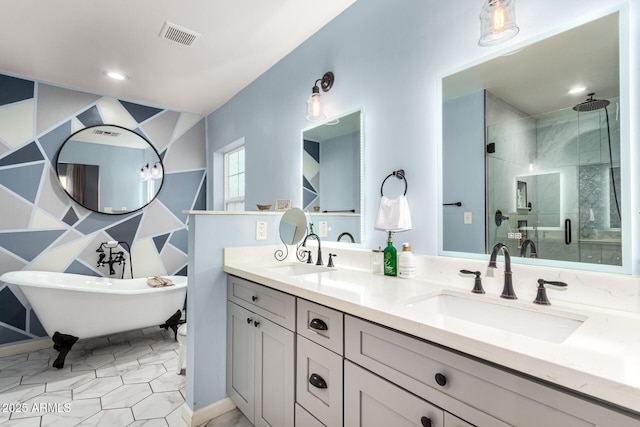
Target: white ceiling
{"points": [[74, 42], [536, 80]]}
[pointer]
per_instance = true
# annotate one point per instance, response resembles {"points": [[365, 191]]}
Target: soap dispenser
{"points": [[406, 263], [390, 258]]}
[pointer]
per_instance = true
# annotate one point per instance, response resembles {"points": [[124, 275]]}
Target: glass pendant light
{"points": [[497, 22]]}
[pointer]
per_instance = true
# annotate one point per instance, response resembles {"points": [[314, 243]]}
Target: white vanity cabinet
{"points": [[480, 394], [260, 352], [319, 360]]}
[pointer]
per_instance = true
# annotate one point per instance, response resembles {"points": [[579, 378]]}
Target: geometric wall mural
{"points": [[42, 228], [310, 174]]}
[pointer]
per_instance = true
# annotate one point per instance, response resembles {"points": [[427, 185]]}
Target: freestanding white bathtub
{"points": [[86, 306]]}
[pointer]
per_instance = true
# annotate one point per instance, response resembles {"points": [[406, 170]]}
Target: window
{"points": [[234, 180]]}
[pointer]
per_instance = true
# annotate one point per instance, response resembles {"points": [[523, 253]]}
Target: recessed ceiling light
{"points": [[116, 75], [576, 90]]}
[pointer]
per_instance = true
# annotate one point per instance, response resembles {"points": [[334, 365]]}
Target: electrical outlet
{"points": [[468, 218], [261, 230], [517, 235], [511, 235], [324, 229]]}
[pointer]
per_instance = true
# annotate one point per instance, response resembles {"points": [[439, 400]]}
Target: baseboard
{"points": [[203, 415], [25, 346]]}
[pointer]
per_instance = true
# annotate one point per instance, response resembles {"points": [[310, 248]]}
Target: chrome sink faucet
{"points": [[507, 290], [313, 236]]}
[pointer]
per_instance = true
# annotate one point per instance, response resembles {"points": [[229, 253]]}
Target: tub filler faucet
{"points": [[115, 257]]}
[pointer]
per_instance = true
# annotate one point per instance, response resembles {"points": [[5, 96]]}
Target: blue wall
{"points": [[387, 60], [43, 229], [465, 145]]}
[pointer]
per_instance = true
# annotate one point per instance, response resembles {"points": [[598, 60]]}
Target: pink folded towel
{"points": [[159, 282]]}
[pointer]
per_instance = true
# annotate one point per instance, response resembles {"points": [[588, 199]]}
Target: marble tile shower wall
{"points": [[577, 146], [514, 134], [41, 228]]}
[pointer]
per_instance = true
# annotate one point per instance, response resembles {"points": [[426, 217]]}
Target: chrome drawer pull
{"points": [[318, 325], [317, 381]]}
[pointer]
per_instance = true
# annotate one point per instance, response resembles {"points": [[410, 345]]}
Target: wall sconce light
{"points": [[497, 22], [315, 109], [154, 172], [144, 171]]}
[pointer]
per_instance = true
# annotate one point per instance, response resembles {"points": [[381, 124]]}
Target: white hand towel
{"points": [[393, 215]]}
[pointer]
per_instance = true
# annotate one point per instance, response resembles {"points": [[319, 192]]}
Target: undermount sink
{"points": [[297, 269], [458, 312]]}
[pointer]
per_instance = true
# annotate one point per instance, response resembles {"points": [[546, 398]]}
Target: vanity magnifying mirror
{"points": [[331, 181], [554, 168], [109, 169]]}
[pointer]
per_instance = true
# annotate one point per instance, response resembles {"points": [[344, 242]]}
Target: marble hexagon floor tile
{"points": [[79, 410], [169, 381], [126, 396], [109, 418], [92, 362], [144, 374], [96, 388], [117, 368], [158, 405]]}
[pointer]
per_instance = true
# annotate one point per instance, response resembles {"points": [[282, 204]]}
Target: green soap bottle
{"points": [[390, 258]]}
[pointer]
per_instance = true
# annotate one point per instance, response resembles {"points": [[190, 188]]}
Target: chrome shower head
{"points": [[591, 104]]}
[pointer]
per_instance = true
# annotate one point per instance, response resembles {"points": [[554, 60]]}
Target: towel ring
{"points": [[398, 174]]}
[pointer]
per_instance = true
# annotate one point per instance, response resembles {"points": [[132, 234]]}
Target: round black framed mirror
{"points": [[109, 169]]}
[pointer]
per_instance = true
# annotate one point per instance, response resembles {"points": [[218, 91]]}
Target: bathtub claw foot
{"points": [[173, 322], [62, 343]]}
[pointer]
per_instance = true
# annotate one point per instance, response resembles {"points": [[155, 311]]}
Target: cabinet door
{"points": [[370, 401], [240, 358], [274, 372]]}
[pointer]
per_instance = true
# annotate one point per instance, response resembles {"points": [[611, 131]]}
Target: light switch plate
{"points": [[324, 229], [261, 230], [468, 218]]}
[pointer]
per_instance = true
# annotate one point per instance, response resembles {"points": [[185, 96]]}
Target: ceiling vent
{"points": [[105, 132], [178, 34]]}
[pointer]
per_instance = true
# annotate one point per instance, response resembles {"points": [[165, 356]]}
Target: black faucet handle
{"points": [[309, 259], [542, 282], [477, 283], [330, 263], [541, 296]]}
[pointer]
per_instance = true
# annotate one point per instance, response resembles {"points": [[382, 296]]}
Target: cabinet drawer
{"points": [[453, 421], [305, 419], [319, 382], [474, 391], [370, 401], [321, 325], [274, 305]]}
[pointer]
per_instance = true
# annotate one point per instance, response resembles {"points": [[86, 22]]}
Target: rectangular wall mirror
{"points": [[331, 181], [550, 160]]}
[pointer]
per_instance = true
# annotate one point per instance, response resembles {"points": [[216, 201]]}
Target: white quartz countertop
{"points": [[601, 358]]}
